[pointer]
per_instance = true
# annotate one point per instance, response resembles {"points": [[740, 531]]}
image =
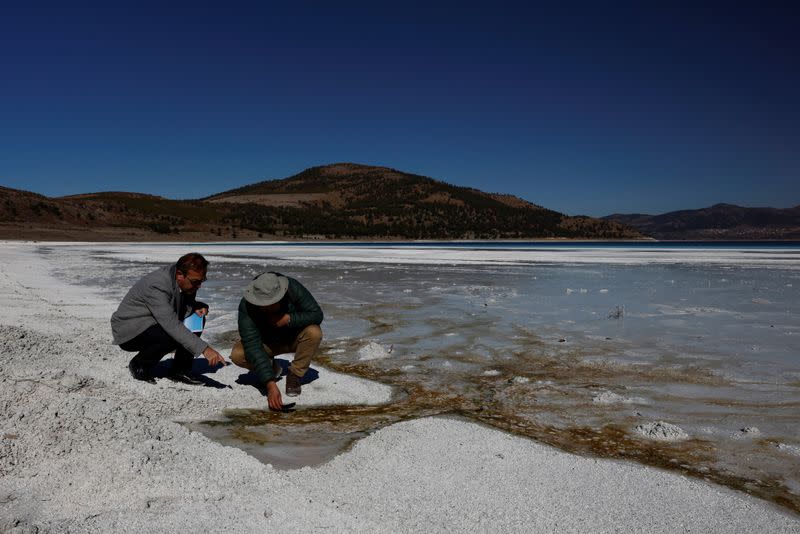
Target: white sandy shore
{"points": [[86, 448]]}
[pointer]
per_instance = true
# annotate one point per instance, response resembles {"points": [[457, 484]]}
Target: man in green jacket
{"points": [[277, 315]]}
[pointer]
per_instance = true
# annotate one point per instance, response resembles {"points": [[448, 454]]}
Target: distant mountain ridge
{"points": [[338, 201], [720, 221]]}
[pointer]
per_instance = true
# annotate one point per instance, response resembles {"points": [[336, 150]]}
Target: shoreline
{"points": [[137, 236], [96, 451], [188, 239]]}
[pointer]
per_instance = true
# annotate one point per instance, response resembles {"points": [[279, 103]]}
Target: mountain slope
{"points": [[365, 201], [346, 184], [721, 221], [340, 201]]}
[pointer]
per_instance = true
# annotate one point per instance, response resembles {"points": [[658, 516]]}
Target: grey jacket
{"points": [[156, 299]]}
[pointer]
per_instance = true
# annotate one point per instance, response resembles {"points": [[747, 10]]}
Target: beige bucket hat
{"points": [[266, 289]]}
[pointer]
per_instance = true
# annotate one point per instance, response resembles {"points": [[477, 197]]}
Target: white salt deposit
{"points": [[791, 449], [659, 430], [766, 257], [521, 380], [372, 351], [491, 372], [609, 397], [85, 448]]}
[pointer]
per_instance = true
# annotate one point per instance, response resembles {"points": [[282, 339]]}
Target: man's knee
{"points": [[237, 355], [154, 339], [312, 333]]}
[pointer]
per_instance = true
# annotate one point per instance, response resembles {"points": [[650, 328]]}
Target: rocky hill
{"points": [[347, 199], [340, 201], [720, 222]]}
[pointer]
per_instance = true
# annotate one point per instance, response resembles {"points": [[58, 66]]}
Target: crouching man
{"points": [[277, 315], [149, 321]]}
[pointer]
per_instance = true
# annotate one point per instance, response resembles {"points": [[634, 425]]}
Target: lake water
{"points": [[575, 345]]}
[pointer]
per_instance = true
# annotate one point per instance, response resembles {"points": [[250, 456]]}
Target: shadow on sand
{"points": [[249, 379], [200, 369]]}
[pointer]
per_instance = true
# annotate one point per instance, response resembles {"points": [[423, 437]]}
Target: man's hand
{"points": [[214, 358], [202, 312], [283, 321], [274, 396]]}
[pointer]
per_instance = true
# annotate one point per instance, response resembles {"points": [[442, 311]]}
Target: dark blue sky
{"points": [[581, 108]]}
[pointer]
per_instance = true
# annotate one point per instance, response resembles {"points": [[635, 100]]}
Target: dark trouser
{"points": [[153, 344]]}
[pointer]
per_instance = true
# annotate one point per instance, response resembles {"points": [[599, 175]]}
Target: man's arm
{"points": [[253, 345], [274, 395], [160, 307], [255, 354], [307, 311]]}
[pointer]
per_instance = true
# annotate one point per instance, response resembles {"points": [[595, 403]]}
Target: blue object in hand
{"points": [[194, 322]]}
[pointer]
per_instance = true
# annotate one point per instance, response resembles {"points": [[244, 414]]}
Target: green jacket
{"points": [[256, 332]]}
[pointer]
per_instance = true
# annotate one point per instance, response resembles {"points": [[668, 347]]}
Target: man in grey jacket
{"points": [[149, 320]]}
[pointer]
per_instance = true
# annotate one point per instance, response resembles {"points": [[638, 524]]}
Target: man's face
{"points": [[272, 308], [191, 281]]}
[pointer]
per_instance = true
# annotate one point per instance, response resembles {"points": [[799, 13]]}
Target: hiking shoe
{"points": [[185, 377], [292, 385], [140, 373]]}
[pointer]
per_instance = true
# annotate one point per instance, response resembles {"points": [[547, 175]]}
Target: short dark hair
{"points": [[192, 262]]}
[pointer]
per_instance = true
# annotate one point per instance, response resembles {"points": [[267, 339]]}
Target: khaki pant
{"points": [[304, 346]]}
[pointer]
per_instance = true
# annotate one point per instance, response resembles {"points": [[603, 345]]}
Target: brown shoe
{"points": [[292, 385]]}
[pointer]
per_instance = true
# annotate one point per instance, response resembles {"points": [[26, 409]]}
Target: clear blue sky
{"points": [[581, 108]]}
